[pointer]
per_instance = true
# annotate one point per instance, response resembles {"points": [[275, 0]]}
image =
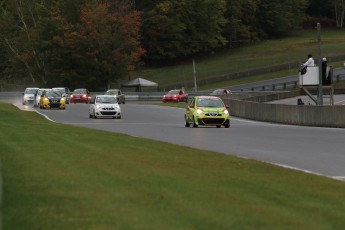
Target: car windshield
{"points": [[217, 91], [53, 94], [209, 102], [106, 100], [79, 91], [220, 92], [30, 91], [111, 92], [62, 90], [40, 91], [174, 92]]}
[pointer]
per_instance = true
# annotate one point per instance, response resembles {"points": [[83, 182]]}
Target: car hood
{"points": [[210, 109], [107, 105], [54, 98]]}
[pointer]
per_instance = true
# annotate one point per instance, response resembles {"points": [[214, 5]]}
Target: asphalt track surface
{"points": [[310, 149]]}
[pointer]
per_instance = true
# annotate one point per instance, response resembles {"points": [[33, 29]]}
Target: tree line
{"points": [[93, 43]]}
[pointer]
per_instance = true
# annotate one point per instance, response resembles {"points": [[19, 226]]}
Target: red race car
{"points": [[176, 95], [80, 96]]}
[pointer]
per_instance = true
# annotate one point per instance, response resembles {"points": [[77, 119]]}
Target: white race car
{"points": [[104, 106], [38, 95], [29, 95]]}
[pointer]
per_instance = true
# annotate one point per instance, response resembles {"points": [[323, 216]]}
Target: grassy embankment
{"points": [[58, 176], [272, 52]]}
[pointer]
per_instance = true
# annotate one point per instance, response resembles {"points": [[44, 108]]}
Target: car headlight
{"points": [[226, 111], [46, 99], [199, 111], [62, 99], [98, 107], [117, 107]]}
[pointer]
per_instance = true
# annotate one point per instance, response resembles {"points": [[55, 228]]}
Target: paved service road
{"points": [[317, 150]]}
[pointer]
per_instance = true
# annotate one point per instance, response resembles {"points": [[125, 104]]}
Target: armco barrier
{"points": [[10, 95]]}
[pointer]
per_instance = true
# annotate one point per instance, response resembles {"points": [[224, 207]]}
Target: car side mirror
{"points": [[227, 106]]}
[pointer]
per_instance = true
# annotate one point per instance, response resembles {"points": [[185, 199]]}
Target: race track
{"points": [[316, 150]]}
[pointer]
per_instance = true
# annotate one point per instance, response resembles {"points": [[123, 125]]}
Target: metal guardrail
{"points": [[9, 95], [274, 87], [153, 96], [340, 77], [156, 96]]}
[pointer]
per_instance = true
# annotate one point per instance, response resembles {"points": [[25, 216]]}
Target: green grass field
{"points": [[58, 176], [292, 49]]}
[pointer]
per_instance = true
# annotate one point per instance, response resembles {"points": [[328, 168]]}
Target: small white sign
{"points": [[311, 77]]}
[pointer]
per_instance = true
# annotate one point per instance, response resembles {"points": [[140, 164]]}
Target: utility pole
{"points": [[194, 71], [320, 95]]}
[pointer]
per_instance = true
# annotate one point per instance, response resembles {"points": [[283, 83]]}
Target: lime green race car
{"points": [[207, 110]]}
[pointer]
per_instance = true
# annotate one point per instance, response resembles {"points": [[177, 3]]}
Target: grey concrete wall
{"points": [[305, 115]]}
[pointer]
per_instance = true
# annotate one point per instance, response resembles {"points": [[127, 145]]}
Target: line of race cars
{"points": [[202, 110], [57, 97], [106, 105]]}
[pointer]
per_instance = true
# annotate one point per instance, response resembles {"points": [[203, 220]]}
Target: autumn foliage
{"points": [[101, 47]]}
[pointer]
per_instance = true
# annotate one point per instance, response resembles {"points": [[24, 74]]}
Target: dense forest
{"points": [[92, 43]]}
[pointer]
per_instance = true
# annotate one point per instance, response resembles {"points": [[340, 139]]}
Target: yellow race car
{"points": [[207, 110], [51, 99]]}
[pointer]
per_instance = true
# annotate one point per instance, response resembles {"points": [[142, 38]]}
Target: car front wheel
{"points": [[187, 123], [195, 125]]}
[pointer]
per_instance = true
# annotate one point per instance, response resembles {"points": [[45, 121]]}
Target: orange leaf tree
{"points": [[101, 47]]}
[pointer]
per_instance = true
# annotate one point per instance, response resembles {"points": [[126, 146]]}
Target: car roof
{"points": [[42, 89], [31, 88], [104, 95], [52, 90], [175, 90], [205, 97], [78, 89]]}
